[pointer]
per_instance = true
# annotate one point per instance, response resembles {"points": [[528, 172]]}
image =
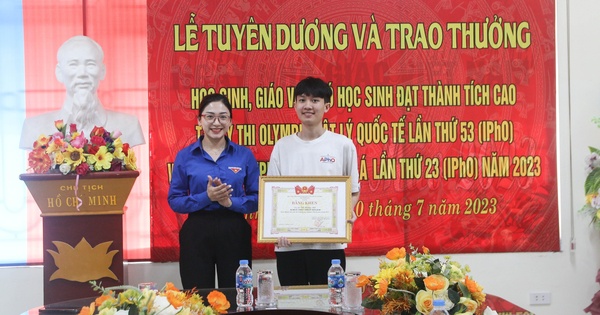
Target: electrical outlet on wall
{"points": [[539, 298]]}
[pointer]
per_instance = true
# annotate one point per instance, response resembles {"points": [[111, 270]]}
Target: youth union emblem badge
{"points": [[327, 159], [235, 169]]}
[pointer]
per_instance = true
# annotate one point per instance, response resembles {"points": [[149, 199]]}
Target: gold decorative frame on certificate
{"points": [[305, 209]]}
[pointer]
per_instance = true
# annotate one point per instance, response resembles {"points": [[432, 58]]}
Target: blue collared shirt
{"points": [[236, 166]]}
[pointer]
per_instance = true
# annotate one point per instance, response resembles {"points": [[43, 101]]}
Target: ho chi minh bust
{"points": [[80, 68]]}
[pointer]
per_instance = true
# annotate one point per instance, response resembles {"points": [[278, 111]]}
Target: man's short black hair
{"points": [[313, 87]]}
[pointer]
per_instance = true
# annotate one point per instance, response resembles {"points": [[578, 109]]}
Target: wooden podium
{"points": [[82, 244]]}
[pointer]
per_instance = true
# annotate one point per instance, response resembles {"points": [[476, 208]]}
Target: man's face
{"points": [[310, 109], [80, 68]]}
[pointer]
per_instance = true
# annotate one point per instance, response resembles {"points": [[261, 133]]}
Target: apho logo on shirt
{"points": [[235, 169], [327, 159]]}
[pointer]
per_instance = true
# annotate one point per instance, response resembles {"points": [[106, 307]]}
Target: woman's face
{"points": [[215, 120]]}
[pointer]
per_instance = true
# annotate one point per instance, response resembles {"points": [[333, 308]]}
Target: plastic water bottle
{"points": [[243, 285], [439, 308], [335, 282]]}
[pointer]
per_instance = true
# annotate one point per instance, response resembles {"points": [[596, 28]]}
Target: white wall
{"points": [[569, 274]]}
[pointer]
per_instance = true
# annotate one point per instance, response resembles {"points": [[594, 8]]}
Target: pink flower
{"points": [[73, 128], [116, 134], [58, 135], [79, 141]]}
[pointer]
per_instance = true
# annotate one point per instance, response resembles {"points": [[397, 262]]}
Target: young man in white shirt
{"points": [[314, 151]]}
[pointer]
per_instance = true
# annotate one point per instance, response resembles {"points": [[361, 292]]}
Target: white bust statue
{"points": [[80, 68]]}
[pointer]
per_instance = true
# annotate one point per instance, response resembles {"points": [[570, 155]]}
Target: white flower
{"points": [[596, 161], [162, 306], [488, 311], [596, 202], [590, 159], [591, 162], [588, 169], [52, 156], [65, 169]]}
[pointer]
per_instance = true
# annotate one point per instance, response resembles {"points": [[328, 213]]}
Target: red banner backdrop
{"points": [[451, 107]]}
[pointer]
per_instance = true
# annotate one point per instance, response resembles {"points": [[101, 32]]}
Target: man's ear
{"points": [[58, 73], [327, 107]]}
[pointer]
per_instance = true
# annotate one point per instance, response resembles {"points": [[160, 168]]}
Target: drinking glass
{"points": [[352, 294], [147, 285], [266, 294]]}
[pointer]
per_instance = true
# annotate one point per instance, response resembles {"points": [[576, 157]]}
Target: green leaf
{"points": [[464, 290], [395, 294], [372, 304], [592, 182], [436, 268], [453, 296], [124, 288], [133, 310], [458, 308], [420, 283], [592, 150]]}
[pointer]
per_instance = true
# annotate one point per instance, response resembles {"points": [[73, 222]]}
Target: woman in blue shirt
{"points": [[215, 181]]}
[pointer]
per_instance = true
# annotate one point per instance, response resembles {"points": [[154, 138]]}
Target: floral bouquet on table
{"points": [[71, 152], [168, 301], [407, 284]]}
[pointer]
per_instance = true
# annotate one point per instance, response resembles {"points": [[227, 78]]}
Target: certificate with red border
{"points": [[312, 209]]}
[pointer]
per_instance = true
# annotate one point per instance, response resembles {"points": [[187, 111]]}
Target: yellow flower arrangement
{"points": [[167, 301], [407, 284], [70, 151]]}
